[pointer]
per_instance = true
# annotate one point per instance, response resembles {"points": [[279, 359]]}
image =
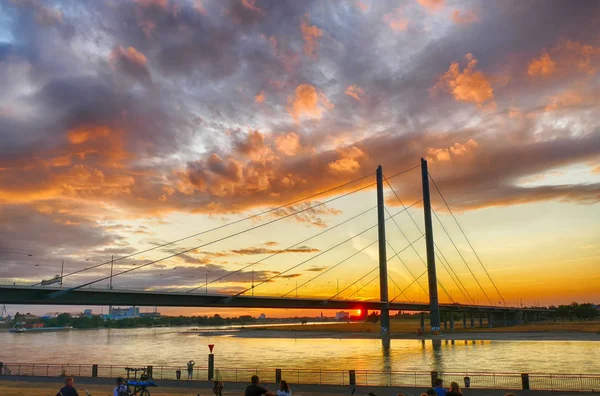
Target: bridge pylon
{"points": [[434, 304], [383, 283]]}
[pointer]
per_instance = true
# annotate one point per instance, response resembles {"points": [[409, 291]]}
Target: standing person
{"points": [[439, 387], [190, 369], [255, 389], [218, 384], [454, 390], [68, 389], [284, 389], [121, 388]]}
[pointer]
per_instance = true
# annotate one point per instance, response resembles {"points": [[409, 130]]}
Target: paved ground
{"points": [[45, 386]]}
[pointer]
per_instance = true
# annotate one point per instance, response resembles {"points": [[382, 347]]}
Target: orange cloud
{"points": [[363, 6], [585, 57], [467, 85], [311, 35], [564, 100], [349, 161], [456, 150], [199, 7], [251, 5], [542, 66], [130, 54], [396, 20], [289, 143], [260, 97], [464, 18], [432, 5], [308, 102], [159, 3], [354, 91]]}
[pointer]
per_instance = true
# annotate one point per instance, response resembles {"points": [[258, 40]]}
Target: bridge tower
{"points": [[383, 284], [434, 305]]}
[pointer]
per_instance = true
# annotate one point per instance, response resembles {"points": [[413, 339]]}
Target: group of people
{"points": [[439, 390], [255, 389]]}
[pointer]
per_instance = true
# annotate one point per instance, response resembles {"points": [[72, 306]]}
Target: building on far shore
{"points": [[87, 312], [342, 315], [123, 313], [262, 317]]}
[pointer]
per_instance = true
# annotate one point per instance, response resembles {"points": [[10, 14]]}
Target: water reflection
{"points": [[175, 346], [436, 349], [385, 350]]}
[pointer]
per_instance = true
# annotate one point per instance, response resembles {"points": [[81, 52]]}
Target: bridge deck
{"points": [[42, 296]]}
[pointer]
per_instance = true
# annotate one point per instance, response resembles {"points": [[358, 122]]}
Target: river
{"points": [[175, 346]]}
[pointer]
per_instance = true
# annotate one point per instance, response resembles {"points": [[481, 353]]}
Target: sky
{"points": [[125, 125]]}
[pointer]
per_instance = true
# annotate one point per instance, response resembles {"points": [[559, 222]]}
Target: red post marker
{"points": [[211, 346]]}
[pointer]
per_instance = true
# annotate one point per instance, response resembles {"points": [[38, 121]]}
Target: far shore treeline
{"points": [[573, 311]]}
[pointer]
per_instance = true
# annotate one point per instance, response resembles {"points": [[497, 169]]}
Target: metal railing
{"points": [[410, 379]]}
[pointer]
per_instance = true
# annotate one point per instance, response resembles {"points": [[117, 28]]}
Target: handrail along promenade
{"points": [[417, 379]]}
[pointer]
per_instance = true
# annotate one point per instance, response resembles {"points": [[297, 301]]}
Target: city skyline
{"points": [[126, 125]]}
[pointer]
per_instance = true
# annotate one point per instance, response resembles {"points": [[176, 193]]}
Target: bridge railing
{"points": [[270, 376]]}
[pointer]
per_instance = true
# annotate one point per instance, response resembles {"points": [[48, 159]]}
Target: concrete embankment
{"points": [[26, 385]]}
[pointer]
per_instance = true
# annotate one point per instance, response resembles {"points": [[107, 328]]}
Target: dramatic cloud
{"points": [[433, 5], [311, 35], [288, 143], [467, 85], [464, 18], [396, 20], [355, 92], [260, 97], [542, 66], [251, 251], [308, 102]]}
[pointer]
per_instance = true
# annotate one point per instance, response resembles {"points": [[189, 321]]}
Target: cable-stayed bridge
{"points": [[87, 293]]}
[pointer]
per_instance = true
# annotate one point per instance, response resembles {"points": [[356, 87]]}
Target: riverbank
{"points": [[407, 329], [43, 386], [516, 336]]}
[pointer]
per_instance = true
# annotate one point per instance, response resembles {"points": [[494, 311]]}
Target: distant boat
{"points": [[21, 327]]}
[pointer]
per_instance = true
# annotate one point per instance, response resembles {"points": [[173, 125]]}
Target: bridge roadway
{"points": [[27, 295]]}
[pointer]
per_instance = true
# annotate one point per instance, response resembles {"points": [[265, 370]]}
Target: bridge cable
{"points": [[408, 287], [221, 226], [353, 283], [423, 261], [332, 267], [315, 256], [362, 287], [388, 260], [437, 255], [282, 251], [405, 266], [467, 239], [462, 257], [62, 292], [398, 286], [421, 258]]}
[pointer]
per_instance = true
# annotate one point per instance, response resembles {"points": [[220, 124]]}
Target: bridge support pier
{"points": [[383, 275], [490, 320], [444, 316], [472, 319], [505, 319], [451, 321], [422, 322], [480, 320], [464, 320]]}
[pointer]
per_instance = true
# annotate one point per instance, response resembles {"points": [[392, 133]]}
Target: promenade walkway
{"points": [[27, 385]]}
